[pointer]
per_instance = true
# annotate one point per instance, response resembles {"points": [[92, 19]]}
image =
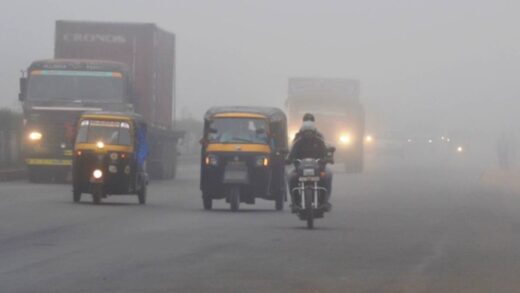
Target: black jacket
{"points": [[308, 145]]}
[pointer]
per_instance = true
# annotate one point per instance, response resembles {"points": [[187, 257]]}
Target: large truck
{"points": [[339, 114], [124, 67]]}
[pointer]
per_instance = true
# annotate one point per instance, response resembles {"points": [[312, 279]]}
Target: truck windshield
{"points": [[60, 85], [238, 130], [108, 132]]}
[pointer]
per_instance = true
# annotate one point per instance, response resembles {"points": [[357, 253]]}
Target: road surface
{"points": [[400, 227]]}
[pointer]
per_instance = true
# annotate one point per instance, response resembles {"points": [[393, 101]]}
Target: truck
{"points": [[339, 114], [100, 66]]}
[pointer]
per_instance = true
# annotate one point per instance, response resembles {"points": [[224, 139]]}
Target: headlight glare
{"points": [[35, 135], [345, 139], [97, 173]]}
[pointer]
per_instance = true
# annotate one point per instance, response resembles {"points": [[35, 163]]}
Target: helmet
{"points": [[308, 117]]}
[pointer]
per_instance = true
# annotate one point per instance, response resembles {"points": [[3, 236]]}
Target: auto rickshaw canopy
{"points": [[275, 118]]}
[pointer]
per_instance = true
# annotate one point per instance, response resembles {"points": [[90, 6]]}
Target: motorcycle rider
{"points": [[308, 143]]}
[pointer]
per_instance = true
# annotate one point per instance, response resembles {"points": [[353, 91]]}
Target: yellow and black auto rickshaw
{"points": [[242, 157], [110, 156]]}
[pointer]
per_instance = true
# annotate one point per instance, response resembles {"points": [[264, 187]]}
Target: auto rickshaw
{"points": [[242, 156], [110, 156]]}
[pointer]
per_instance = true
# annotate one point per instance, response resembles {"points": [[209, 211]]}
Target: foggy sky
{"points": [[438, 64]]}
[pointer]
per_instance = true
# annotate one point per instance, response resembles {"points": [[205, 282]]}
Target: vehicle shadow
{"points": [[243, 211], [107, 203], [316, 228]]}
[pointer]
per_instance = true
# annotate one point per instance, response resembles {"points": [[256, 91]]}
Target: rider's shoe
{"points": [[327, 207]]}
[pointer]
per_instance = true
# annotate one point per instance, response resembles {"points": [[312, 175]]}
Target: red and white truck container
{"points": [[100, 66]]}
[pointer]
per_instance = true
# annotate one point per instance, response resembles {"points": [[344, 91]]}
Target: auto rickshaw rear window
{"points": [[109, 132]]}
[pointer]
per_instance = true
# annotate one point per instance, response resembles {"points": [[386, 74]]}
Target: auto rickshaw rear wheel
{"points": [[97, 194], [234, 198]]}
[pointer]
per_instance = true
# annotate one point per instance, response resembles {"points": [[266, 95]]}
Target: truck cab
{"points": [[54, 94]]}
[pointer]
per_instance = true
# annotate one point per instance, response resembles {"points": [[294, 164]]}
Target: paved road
{"points": [[400, 227]]}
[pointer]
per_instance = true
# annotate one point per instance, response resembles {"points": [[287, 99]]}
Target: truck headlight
{"points": [[345, 139], [97, 174], [460, 149], [369, 139], [262, 161], [35, 135], [211, 160], [100, 144]]}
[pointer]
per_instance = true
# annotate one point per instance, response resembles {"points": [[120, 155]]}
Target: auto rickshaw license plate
{"points": [[235, 175], [312, 179], [236, 172]]}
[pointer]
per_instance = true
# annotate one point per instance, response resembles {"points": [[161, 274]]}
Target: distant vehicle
{"points": [[125, 67], [110, 156], [243, 156], [340, 116]]}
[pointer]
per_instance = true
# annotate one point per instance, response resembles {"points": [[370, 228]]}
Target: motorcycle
{"points": [[314, 198]]}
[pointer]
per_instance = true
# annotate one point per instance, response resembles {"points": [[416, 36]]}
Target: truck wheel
{"points": [[76, 195], [141, 194], [36, 175], [234, 199], [33, 175], [207, 201]]}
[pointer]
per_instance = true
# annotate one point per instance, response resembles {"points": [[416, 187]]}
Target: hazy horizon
{"points": [[435, 64]]}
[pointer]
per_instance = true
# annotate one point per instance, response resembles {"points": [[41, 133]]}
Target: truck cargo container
{"points": [[101, 66]]}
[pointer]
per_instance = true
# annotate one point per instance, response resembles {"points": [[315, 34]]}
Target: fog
{"points": [[423, 197], [432, 65]]}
